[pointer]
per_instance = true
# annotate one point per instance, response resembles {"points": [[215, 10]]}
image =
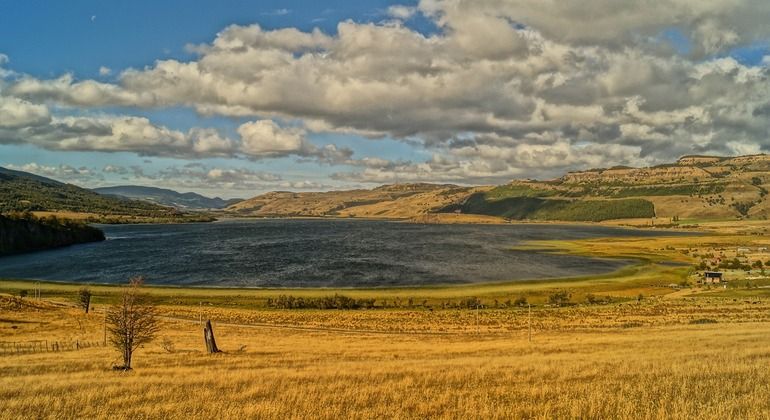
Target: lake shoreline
{"points": [[336, 254]]}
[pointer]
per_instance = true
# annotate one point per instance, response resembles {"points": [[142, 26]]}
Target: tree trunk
{"points": [[127, 358], [208, 335]]}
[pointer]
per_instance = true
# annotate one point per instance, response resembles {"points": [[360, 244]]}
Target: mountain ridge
{"points": [[694, 186], [23, 192], [167, 197]]}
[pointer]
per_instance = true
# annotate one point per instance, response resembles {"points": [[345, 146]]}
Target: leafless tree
{"points": [[84, 298], [132, 321]]}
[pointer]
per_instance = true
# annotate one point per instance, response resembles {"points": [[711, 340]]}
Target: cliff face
{"points": [[639, 175], [24, 235]]}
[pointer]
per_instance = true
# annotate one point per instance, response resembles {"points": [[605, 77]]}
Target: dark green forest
{"points": [[24, 232]]}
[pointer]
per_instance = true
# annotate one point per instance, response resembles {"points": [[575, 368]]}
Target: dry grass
{"points": [[666, 371], [684, 354]]}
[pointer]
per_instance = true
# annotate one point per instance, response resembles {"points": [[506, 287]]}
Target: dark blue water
{"points": [[314, 253]]}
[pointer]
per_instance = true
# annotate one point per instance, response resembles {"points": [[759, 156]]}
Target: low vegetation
{"points": [[327, 302], [535, 208]]}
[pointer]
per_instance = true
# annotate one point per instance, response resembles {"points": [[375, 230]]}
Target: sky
{"points": [[235, 98]]}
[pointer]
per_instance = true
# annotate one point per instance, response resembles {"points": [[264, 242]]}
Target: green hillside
{"points": [[23, 192], [535, 208]]}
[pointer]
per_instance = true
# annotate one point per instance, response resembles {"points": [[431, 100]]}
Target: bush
{"points": [[559, 298], [327, 302], [592, 299], [470, 303], [703, 321]]}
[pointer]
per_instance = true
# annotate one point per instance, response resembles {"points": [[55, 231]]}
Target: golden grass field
{"points": [[686, 353], [661, 366]]}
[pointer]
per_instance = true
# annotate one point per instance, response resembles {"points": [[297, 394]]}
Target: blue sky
{"points": [[46, 39], [453, 91]]}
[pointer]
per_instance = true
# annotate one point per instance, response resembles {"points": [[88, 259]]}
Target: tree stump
{"points": [[208, 335]]}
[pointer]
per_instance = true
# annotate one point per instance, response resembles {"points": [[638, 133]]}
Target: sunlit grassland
{"points": [[577, 365], [689, 353]]}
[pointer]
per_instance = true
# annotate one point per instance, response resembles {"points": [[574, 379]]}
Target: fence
{"points": [[44, 346]]}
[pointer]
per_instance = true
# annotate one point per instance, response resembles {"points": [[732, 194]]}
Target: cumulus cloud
{"points": [[25, 122], [711, 25], [15, 113], [266, 138], [401, 12], [504, 88], [115, 169], [60, 172]]}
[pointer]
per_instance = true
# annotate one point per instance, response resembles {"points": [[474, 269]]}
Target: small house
{"points": [[712, 277]]}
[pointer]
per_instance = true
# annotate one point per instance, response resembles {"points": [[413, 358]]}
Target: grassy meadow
{"points": [[650, 360], [623, 345]]}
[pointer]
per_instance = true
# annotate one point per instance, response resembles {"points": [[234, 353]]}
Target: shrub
{"points": [[703, 321], [559, 298], [327, 302]]}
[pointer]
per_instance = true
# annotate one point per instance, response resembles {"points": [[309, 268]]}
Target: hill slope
{"points": [[24, 192], [333, 203], [702, 187], [165, 197]]}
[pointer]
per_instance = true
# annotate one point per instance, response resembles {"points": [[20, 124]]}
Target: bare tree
{"points": [[132, 321], [84, 298]]}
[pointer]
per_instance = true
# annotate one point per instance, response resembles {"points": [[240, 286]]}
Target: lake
{"points": [[315, 253]]}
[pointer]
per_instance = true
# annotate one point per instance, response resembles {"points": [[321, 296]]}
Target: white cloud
{"points": [[104, 71], [58, 172], [115, 169], [25, 122], [15, 112], [277, 12], [266, 138], [401, 12], [502, 84]]}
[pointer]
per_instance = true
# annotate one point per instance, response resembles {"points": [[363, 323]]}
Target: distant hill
{"points": [[165, 197], [24, 192], [395, 200], [700, 187], [695, 187]]}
